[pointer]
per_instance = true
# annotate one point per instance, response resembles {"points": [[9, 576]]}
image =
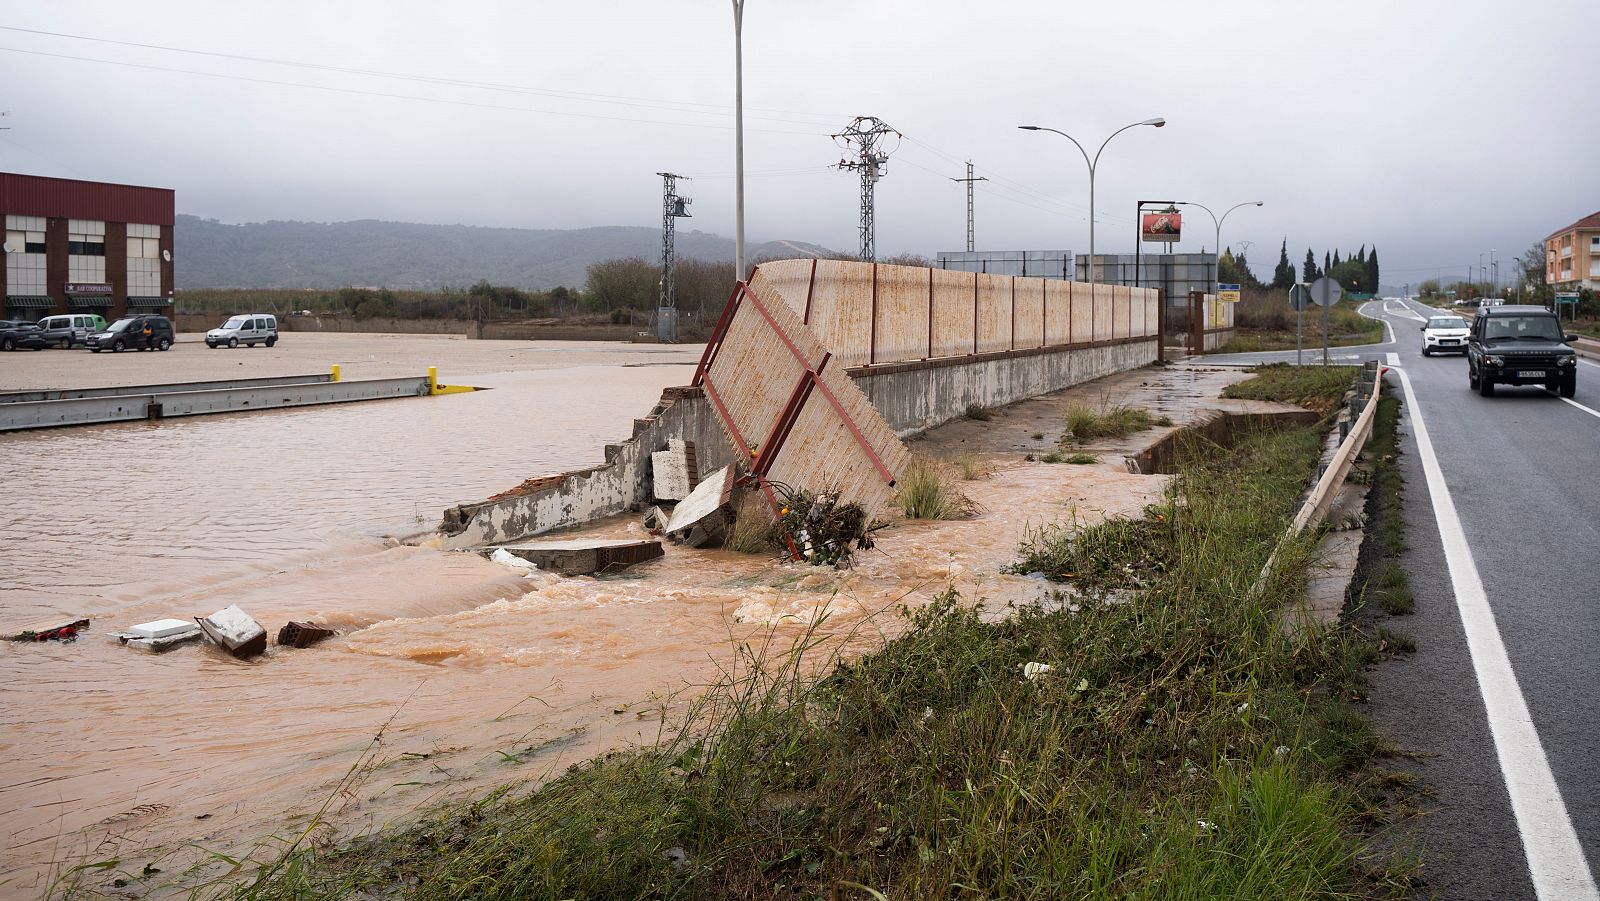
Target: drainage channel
{"points": [[1221, 429]]}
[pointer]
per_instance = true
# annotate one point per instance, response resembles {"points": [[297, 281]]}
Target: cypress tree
{"points": [[1283, 273], [1327, 262], [1372, 269], [1335, 259], [1309, 270]]}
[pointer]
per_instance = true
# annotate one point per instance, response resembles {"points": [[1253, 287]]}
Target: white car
{"points": [[249, 329], [1446, 334]]}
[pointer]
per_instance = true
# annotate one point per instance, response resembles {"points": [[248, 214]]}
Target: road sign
{"points": [[1325, 292], [1300, 297], [1566, 298], [1228, 293]]}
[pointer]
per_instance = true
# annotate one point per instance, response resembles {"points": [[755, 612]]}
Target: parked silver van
{"points": [[70, 329], [250, 329]]}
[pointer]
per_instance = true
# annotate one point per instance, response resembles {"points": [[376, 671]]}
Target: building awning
{"points": [[88, 301], [148, 303], [30, 301]]}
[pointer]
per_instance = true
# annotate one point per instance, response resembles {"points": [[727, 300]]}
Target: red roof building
{"points": [[85, 247], [1572, 255]]}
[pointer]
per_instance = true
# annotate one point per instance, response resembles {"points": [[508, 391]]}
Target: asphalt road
{"points": [[1518, 470]]}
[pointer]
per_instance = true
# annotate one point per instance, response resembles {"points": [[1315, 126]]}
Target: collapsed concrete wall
{"points": [[1084, 333]]}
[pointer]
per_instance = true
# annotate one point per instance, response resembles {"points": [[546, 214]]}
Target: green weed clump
{"points": [[1318, 388], [972, 467], [1169, 742], [928, 491], [1080, 459], [1086, 423], [979, 412]]}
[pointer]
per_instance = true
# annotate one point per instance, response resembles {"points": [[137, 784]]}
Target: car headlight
{"points": [[1567, 361], [1492, 360]]}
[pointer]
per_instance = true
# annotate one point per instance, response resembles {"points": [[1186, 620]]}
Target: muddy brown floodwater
{"points": [[474, 674]]}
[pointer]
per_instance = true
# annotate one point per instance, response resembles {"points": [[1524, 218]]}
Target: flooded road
{"points": [[456, 674]]}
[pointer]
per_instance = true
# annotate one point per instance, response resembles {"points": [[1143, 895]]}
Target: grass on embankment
{"points": [[1382, 580], [1175, 743], [1317, 388]]}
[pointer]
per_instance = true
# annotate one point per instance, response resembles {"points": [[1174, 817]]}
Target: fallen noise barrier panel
{"points": [[61, 629], [802, 422]]}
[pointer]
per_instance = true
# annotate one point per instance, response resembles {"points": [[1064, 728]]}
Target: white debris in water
{"points": [[161, 628], [506, 558], [234, 624], [1033, 669]]}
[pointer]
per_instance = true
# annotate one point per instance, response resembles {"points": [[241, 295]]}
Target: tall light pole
{"points": [[1216, 271], [738, 139], [1157, 122]]}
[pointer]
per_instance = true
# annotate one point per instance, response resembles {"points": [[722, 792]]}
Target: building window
{"points": [[144, 260], [25, 263]]}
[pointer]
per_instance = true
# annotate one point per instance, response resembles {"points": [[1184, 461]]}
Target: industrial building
{"points": [[83, 246]]}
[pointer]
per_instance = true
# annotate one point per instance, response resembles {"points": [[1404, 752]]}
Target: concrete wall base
{"points": [[913, 397]]}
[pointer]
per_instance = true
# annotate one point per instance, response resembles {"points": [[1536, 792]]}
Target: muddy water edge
{"points": [[455, 674]]}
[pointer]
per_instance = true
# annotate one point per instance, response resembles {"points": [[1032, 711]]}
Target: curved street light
{"points": [[1216, 271], [1157, 122]]}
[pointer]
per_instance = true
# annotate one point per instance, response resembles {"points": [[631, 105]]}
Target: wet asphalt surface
{"points": [[1520, 467]]}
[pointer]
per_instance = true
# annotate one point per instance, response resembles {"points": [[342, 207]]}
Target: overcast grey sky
{"points": [[1436, 130]]}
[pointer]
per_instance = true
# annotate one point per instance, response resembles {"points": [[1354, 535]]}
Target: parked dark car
{"points": [[22, 334], [142, 332], [1520, 345]]}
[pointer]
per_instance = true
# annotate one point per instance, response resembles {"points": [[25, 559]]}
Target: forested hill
{"points": [[212, 254]]}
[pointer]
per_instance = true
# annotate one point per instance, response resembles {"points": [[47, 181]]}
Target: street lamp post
{"points": [[1157, 122], [1216, 270], [738, 140]]}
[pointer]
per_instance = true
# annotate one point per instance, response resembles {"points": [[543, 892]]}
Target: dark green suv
{"points": [[1520, 345]]}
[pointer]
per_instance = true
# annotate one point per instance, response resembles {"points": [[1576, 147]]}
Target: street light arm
{"points": [[1068, 137], [1108, 140]]}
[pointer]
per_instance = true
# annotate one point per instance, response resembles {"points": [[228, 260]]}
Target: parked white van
{"points": [[250, 329]]}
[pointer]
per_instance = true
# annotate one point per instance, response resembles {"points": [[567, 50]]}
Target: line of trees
{"points": [[1358, 274]]}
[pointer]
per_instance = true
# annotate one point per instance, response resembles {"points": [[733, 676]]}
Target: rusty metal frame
{"points": [[974, 312], [872, 342], [930, 314], [811, 285], [813, 374]]}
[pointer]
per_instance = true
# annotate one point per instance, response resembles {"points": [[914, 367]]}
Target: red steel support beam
{"points": [[717, 334], [1013, 312], [930, 314]]}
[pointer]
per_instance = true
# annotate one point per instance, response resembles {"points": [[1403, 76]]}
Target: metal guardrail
{"points": [[139, 405], [13, 397]]}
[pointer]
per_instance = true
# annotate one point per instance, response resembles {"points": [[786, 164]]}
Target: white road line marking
{"points": [[1587, 363], [1394, 359], [1555, 859], [1592, 412]]}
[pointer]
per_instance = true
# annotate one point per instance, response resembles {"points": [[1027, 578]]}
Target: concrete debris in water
{"points": [[303, 635], [158, 635], [703, 518], [672, 472], [585, 556], [655, 520], [235, 631], [506, 558]]}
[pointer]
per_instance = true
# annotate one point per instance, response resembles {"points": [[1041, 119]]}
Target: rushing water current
{"points": [[285, 514], [451, 673]]}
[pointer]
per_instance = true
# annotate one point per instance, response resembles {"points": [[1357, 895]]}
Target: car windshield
{"points": [[119, 325], [1446, 322], [235, 322], [1542, 328]]}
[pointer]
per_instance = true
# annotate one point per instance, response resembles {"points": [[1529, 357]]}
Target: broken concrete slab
{"points": [[584, 556], [655, 520], [156, 645], [702, 519], [57, 629], [671, 477], [303, 635], [235, 631]]}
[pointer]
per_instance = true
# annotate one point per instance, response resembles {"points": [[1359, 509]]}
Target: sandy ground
{"points": [[303, 353]]}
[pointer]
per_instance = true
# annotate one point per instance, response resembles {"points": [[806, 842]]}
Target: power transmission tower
{"points": [[971, 244], [672, 209], [865, 137]]}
